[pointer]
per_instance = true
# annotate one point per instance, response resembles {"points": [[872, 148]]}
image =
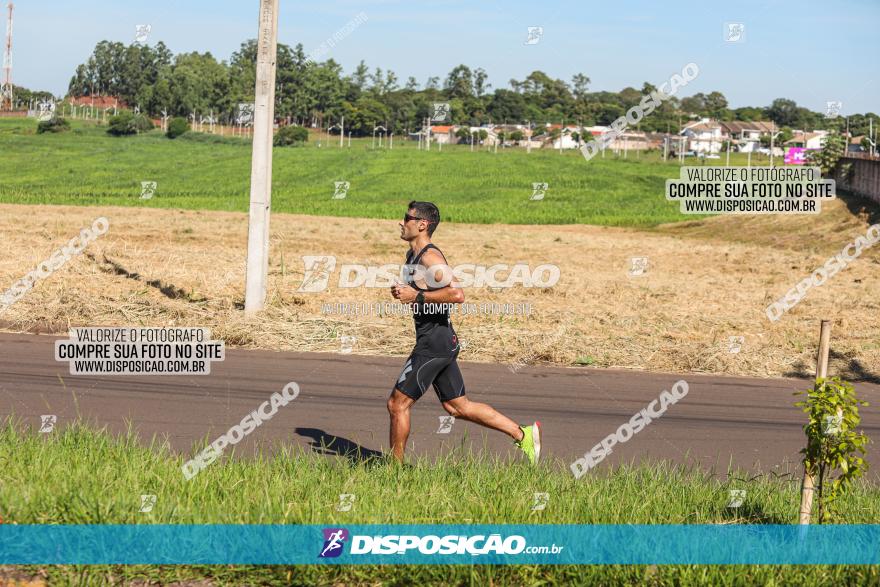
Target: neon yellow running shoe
{"points": [[531, 442]]}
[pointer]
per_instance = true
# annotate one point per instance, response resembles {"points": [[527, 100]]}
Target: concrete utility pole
{"points": [[261, 159], [561, 132], [529, 143], [6, 91], [773, 137]]}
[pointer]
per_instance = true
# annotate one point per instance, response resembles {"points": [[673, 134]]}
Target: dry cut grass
{"points": [[706, 281]]}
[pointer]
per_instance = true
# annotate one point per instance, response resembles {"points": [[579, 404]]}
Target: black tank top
{"points": [[434, 333]]}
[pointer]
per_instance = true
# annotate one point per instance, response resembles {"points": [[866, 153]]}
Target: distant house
{"points": [[596, 131], [655, 140], [530, 142], [496, 130], [746, 135], [564, 138], [97, 101], [808, 140], [443, 134], [509, 128], [630, 141], [491, 135], [855, 144], [703, 136]]}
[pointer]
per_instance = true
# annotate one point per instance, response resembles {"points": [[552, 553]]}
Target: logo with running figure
{"points": [[47, 423], [340, 189], [441, 112], [538, 190], [317, 272], [334, 540]]}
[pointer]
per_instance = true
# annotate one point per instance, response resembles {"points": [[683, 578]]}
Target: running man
{"points": [[433, 359]]}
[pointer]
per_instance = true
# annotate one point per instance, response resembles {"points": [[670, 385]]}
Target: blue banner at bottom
{"points": [[440, 544]]}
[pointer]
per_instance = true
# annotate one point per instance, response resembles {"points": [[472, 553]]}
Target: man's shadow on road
{"points": [[328, 444]]}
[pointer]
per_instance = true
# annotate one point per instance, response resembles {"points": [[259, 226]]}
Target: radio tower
{"points": [[6, 88]]}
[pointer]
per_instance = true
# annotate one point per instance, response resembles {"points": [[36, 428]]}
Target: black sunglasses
{"points": [[407, 218]]}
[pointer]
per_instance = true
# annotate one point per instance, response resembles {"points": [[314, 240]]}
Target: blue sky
{"points": [[806, 50]]}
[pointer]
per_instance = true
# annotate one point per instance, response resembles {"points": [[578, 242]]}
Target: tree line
{"points": [[319, 94]]}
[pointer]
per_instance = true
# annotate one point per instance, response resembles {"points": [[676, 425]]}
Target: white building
{"points": [[703, 137], [565, 137], [444, 134], [810, 140], [747, 135]]}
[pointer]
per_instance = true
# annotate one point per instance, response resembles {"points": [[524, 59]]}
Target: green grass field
{"points": [[81, 476], [199, 171]]}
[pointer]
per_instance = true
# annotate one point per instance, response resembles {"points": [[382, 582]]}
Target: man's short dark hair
{"points": [[427, 211]]}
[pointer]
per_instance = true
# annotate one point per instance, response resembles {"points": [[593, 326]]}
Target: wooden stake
{"points": [[809, 482]]}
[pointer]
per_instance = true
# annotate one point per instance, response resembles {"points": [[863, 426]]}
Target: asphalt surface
{"points": [[749, 423]]}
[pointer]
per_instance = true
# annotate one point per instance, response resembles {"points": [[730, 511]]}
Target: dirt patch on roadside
{"points": [[12, 576], [703, 285]]}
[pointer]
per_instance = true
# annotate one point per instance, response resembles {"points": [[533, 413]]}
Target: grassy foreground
{"points": [[78, 475], [199, 171]]}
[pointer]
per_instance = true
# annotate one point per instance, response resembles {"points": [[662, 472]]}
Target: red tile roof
{"points": [[98, 101]]}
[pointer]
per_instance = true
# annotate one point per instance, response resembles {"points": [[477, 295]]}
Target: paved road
{"points": [[749, 422]]}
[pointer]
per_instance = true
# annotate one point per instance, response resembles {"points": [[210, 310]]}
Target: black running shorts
{"points": [[421, 371]]}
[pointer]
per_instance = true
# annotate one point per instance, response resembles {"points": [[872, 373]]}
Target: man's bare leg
{"points": [[482, 414], [398, 408]]}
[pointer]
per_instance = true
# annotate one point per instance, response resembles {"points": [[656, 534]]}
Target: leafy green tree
{"points": [[506, 105], [833, 444], [460, 82], [785, 135], [176, 127], [24, 96], [128, 123], [403, 110], [608, 113], [749, 114], [314, 93], [716, 106], [291, 135], [480, 85], [364, 115], [784, 112], [53, 125], [827, 158], [126, 72], [580, 83], [695, 104], [198, 83], [360, 76]]}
